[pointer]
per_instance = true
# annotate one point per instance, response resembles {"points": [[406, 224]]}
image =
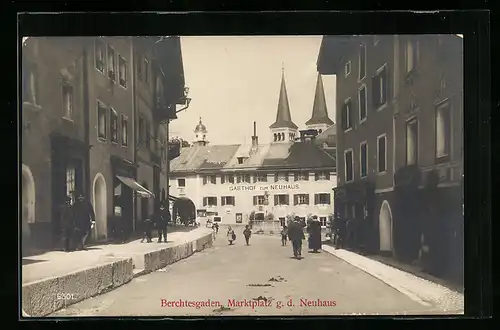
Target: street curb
{"points": [[44, 297], [427, 293]]}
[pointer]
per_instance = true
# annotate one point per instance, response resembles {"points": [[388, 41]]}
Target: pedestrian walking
{"points": [[84, 218], [147, 229], [67, 221], [231, 236], [284, 234], [314, 230], [216, 226], [161, 224], [296, 235], [247, 233]]}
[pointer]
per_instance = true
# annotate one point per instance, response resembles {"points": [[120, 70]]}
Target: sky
{"points": [[234, 81]]}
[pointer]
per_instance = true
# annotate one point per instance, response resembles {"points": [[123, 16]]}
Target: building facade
{"points": [[233, 184], [81, 129], [54, 134], [400, 136]]}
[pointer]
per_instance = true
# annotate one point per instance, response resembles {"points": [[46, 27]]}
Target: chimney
{"points": [[255, 138]]}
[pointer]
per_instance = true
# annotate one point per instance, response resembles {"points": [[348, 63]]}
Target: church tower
{"points": [[200, 132], [319, 119], [283, 130]]}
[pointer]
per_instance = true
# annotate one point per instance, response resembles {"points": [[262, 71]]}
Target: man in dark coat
{"points": [[161, 220], [296, 235], [314, 230], [84, 216], [67, 221]]}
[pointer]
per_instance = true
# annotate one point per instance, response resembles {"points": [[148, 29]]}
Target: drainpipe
{"points": [[134, 114]]}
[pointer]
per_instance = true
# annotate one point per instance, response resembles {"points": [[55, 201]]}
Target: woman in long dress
{"points": [[231, 236]]}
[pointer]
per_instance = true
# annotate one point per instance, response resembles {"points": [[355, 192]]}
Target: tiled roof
{"points": [[328, 136], [267, 156], [203, 157]]}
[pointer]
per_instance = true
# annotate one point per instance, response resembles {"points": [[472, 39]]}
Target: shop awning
{"points": [[143, 192]]}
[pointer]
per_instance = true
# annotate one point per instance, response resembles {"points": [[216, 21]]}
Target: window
{"points": [[380, 87], [181, 182], [227, 178], [139, 68], [67, 94], [146, 70], [122, 68], [362, 61], [261, 177], [363, 162], [381, 153], [241, 160], [323, 221], [301, 199], [209, 179], [347, 115], [282, 221], [141, 130], [411, 142], [114, 125], [411, 55], [227, 200], [322, 199], [111, 63], [70, 182], [443, 137], [281, 176], [209, 201], [301, 176], [323, 175], [243, 178], [147, 135], [362, 103], [102, 121], [348, 157], [281, 200], [100, 59], [259, 200], [124, 131], [347, 68]]}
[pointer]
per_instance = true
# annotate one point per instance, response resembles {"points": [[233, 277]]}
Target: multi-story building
{"points": [[81, 128], [54, 133], [290, 176], [400, 136]]}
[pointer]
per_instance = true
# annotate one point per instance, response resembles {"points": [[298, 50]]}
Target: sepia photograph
{"points": [[208, 176]]}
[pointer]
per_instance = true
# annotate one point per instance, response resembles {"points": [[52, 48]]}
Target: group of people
{"points": [[231, 235], [78, 218], [160, 220], [295, 233]]}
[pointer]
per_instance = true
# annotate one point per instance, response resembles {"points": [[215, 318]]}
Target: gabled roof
{"points": [[283, 116], [319, 112], [267, 157], [328, 136]]}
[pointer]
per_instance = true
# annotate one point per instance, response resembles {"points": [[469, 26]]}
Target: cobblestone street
{"points": [[263, 275]]}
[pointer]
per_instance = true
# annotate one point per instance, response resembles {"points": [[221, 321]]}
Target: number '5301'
{"points": [[65, 296]]}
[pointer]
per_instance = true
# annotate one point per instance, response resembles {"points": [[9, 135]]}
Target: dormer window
{"points": [[241, 160]]}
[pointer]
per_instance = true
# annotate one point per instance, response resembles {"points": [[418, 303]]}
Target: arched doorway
{"points": [[100, 207], [185, 208], [28, 199], [385, 227]]}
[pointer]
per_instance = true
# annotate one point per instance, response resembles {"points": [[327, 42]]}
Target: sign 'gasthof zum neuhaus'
{"points": [[294, 186]]}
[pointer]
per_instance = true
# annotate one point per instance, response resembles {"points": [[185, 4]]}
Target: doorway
{"points": [[100, 207], [28, 199], [385, 228]]}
